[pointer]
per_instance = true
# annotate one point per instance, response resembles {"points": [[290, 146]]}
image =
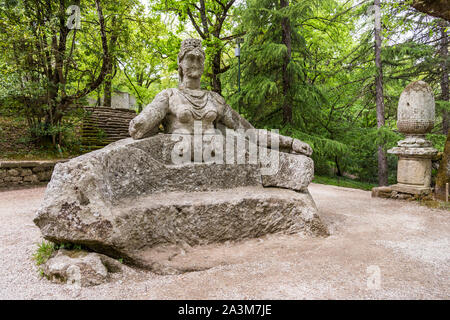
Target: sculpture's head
{"points": [[191, 59]]}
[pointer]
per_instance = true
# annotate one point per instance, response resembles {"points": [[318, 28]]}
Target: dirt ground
{"points": [[378, 249]]}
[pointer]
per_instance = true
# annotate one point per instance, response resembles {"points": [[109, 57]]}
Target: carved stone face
{"points": [[193, 64]]}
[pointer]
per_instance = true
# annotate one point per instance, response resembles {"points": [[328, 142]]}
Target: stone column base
{"points": [[402, 192], [411, 189]]}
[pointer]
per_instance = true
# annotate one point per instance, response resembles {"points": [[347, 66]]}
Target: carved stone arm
{"points": [[148, 121], [233, 120], [286, 144]]}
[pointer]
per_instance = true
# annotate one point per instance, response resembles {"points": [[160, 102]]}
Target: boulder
{"points": [[80, 268], [128, 200], [295, 172]]}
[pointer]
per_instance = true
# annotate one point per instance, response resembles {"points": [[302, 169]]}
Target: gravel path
{"points": [[408, 244]]}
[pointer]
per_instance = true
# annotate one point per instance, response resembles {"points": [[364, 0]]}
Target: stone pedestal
{"points": [[129, 200], [416, 111], [414, 165]]}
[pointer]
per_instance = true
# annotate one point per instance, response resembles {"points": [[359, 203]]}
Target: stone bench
{"points": [[130, 201]]}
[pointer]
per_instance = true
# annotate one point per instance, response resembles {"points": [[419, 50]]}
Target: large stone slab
{"points": [[295, 172], [147, 232], [129, 201]]}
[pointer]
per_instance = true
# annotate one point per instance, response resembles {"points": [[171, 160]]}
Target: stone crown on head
{"points": [[188, 45]]}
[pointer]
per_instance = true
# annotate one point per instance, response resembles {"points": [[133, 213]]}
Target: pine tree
{"points": [[274, 58], [443, 26], [382, 159]]}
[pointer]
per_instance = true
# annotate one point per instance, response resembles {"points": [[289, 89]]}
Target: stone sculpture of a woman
{"points": [[130, 199], [178, 108]]}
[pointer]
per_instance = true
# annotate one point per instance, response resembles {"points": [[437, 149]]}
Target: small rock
{"points": [[44, 175], [80, 268], [31, 179], [38, 169], [13, 179], [382, 192], [13, 172], [26, 172]]}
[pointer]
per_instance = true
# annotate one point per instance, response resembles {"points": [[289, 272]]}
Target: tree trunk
{"points": [[110, 76], [436, 8], [444, 75], [338, 167], [286, 39], [382, 159], [443, 176], [215, 79], [107, 91]]}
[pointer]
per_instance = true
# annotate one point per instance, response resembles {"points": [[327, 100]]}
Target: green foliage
{"points": [[333, 76], [68, 246], [47, 68], [331, 69], [344, 182], [438, 141], [44, 251]]}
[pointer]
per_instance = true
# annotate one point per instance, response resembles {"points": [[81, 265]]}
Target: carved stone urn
{"points": [[416, 112]]}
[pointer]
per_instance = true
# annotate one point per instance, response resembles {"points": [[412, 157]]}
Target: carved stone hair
{"points": [[186, 46]]}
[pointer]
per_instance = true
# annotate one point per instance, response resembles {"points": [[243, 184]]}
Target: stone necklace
{"points": [[197, 101]]}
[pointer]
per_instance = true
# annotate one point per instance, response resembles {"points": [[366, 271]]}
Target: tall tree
{"points": [[42, 47], [286, 40], [110, 73], [382, 159], [443, 26]]}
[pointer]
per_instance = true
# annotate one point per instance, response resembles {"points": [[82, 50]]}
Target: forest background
{"points": [[328, 72]]}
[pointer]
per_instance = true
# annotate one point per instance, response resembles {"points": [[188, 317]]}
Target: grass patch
{"points": [[435, 204], [44, 252], [344, 182]]}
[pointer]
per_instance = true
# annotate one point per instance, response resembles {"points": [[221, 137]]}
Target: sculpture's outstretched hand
{"points": [[233, 120], [286, 144], [148, 121]]}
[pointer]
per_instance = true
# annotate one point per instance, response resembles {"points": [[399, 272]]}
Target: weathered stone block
{"points": [[382, 192], [44, 175], [38, 169], [294, 172], [127, 199], [416, 109], [25, 172], [13, 172], [144, 230], [416, 112], [301, 147], [13, 179], [31, 179], [414, 171], [411, 189]]}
